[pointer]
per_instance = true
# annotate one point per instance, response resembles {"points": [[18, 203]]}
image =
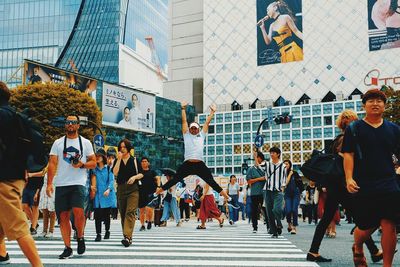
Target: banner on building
{"points": [[35, 72], [383, 24], [128, 108], [279, 31]]}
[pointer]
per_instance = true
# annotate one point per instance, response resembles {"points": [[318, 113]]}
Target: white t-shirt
{"points": [[194, 145], [241, 197], [233, 189], [210, 190], [66, 174]]}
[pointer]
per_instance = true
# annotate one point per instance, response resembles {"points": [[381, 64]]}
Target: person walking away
{"points": [[294, 185], [31, 197], [128, 174], [241, 203], [256, 180], [208, 208], [70, 157], [46, 205], [13, 166], [103, 200]]}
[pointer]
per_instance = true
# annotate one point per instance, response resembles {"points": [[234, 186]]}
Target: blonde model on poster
{"points": [[281, 31]]}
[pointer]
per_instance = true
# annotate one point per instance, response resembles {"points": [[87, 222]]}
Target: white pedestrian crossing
{"points": [[173, 246]]}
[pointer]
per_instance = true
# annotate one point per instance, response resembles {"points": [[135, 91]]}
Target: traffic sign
{"points": [[259, 141], [98, 140]]}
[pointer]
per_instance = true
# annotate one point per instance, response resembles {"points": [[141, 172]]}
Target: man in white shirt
{"points": [[275, 174], [70, 157], [126, 120], [194, 161]]}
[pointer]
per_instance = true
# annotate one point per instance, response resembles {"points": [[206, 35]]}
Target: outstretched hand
{"points": [[213, 108], [184, 104]]}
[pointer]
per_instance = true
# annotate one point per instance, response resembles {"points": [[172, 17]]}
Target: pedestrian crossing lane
{"points": [[174, 246]]}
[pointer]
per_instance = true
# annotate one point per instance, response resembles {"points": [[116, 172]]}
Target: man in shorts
{"points": [[371, 177], [70, 157]]}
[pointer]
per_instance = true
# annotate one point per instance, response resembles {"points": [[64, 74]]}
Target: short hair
{"points": [[144, 158], [260, 155], [74, 115], [346, 114], [127, 143], [4, 92], [373, 94], [275, 149]]}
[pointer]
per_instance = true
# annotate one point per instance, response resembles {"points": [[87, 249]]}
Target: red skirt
{"points": [[321, 207], [208, 208]]}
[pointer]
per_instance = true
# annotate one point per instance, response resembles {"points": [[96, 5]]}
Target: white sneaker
{"points": [[49, 235], [43, 234], [179, 224]]}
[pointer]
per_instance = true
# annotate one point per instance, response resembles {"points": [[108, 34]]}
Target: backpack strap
{"points": [[354, 133]]}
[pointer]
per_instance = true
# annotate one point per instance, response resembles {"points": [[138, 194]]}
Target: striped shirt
{"points": [[277, 180]]}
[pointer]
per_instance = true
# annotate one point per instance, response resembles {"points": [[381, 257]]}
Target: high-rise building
{"points": [[104, 39]]}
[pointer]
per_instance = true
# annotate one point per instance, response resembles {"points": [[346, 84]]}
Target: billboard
{"points": [[128, 108], [39, 73], [279, 31], [383, 24]]}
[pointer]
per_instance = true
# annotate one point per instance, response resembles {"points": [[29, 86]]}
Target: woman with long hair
{"points": [[281, 31]]}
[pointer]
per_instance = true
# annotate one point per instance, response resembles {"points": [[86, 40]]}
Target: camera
{"points": [[75, 159]]}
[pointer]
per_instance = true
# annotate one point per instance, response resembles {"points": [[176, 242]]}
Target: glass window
{"points": [[327, 120], [220, 170], [306, 122], [237, 116], [359, 105], [247, 138], [296, 123], [237, 127], [328, 132], [237, 160], [220, 128], [295, 111], [255, 125], [337, 131], [237, 138], [228, 117], [211, 150], [305, 110], [349, 105], [220, 150], [211, 129], [246, 115], [317, 121], [246, 127], [237, 170], [285, 135], [228, 128], [306, 134], [338, 107], [228, 139], [228, 161], [361, 116], [296, 134], [228, 150], [228, 170], [317, 133], [255, 115], [220, 139], [316, 109], [276, 135], [211, 161], [220, 118], [211, 140]]}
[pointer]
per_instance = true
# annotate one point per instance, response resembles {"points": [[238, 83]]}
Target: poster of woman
{"points": [[279, 31]]}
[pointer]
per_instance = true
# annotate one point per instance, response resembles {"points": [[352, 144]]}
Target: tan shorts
{"points": [[15, 224]]}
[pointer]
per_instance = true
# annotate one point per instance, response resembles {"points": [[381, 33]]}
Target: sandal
{"points": [[358, 258], [200, 227], [332, 235], [221, 224]]}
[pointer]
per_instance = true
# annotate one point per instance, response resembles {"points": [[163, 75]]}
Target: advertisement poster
{"points": [[40, 73], [279, 31], [383, 24], [128, 108]]}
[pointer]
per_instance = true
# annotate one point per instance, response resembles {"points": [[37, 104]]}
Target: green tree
{"points": [[47, 101], [392, 112]]}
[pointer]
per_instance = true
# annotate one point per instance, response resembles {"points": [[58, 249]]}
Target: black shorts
{"points": [[68, 197], [28, 195], [369, 210], [144, 199]]}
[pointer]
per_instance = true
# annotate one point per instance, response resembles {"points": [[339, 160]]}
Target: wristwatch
{"points": [[83, 166]]}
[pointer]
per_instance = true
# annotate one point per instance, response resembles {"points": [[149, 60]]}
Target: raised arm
{"points": [[293, 27], [266, 36], [213, 108], [184, 119]]}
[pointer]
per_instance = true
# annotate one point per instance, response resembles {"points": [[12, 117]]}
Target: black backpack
{"points": [[29, 139]]}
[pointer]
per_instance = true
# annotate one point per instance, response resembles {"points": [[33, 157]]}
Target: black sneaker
{"points": [[148, 225], [33, 231], [126, 241], [255, 230], [107, 235], [81, 246], [143, 228], [319, 258], [4, 260], [67, 253], [279, 230], [98, 238]]}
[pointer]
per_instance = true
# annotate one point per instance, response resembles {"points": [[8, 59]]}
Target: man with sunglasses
{"points": [[194, 163], [70, 157]]}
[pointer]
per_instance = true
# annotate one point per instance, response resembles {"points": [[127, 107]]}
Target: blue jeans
{"points": [[173, 206], [292, 208], [241, 208], [234, 213], [248, 208], [274, 206]]}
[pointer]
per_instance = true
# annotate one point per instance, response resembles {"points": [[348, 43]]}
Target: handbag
{"points": [[324, 167]]}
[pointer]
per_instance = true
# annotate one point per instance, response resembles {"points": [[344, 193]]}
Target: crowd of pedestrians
{"points": [[79, 181]]}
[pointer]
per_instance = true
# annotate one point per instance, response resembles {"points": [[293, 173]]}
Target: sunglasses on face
{"points": [[71, 122], [193, 128]]}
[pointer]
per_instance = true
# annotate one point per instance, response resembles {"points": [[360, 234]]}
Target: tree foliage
{"points": [[392, 112], [48, 101]]}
